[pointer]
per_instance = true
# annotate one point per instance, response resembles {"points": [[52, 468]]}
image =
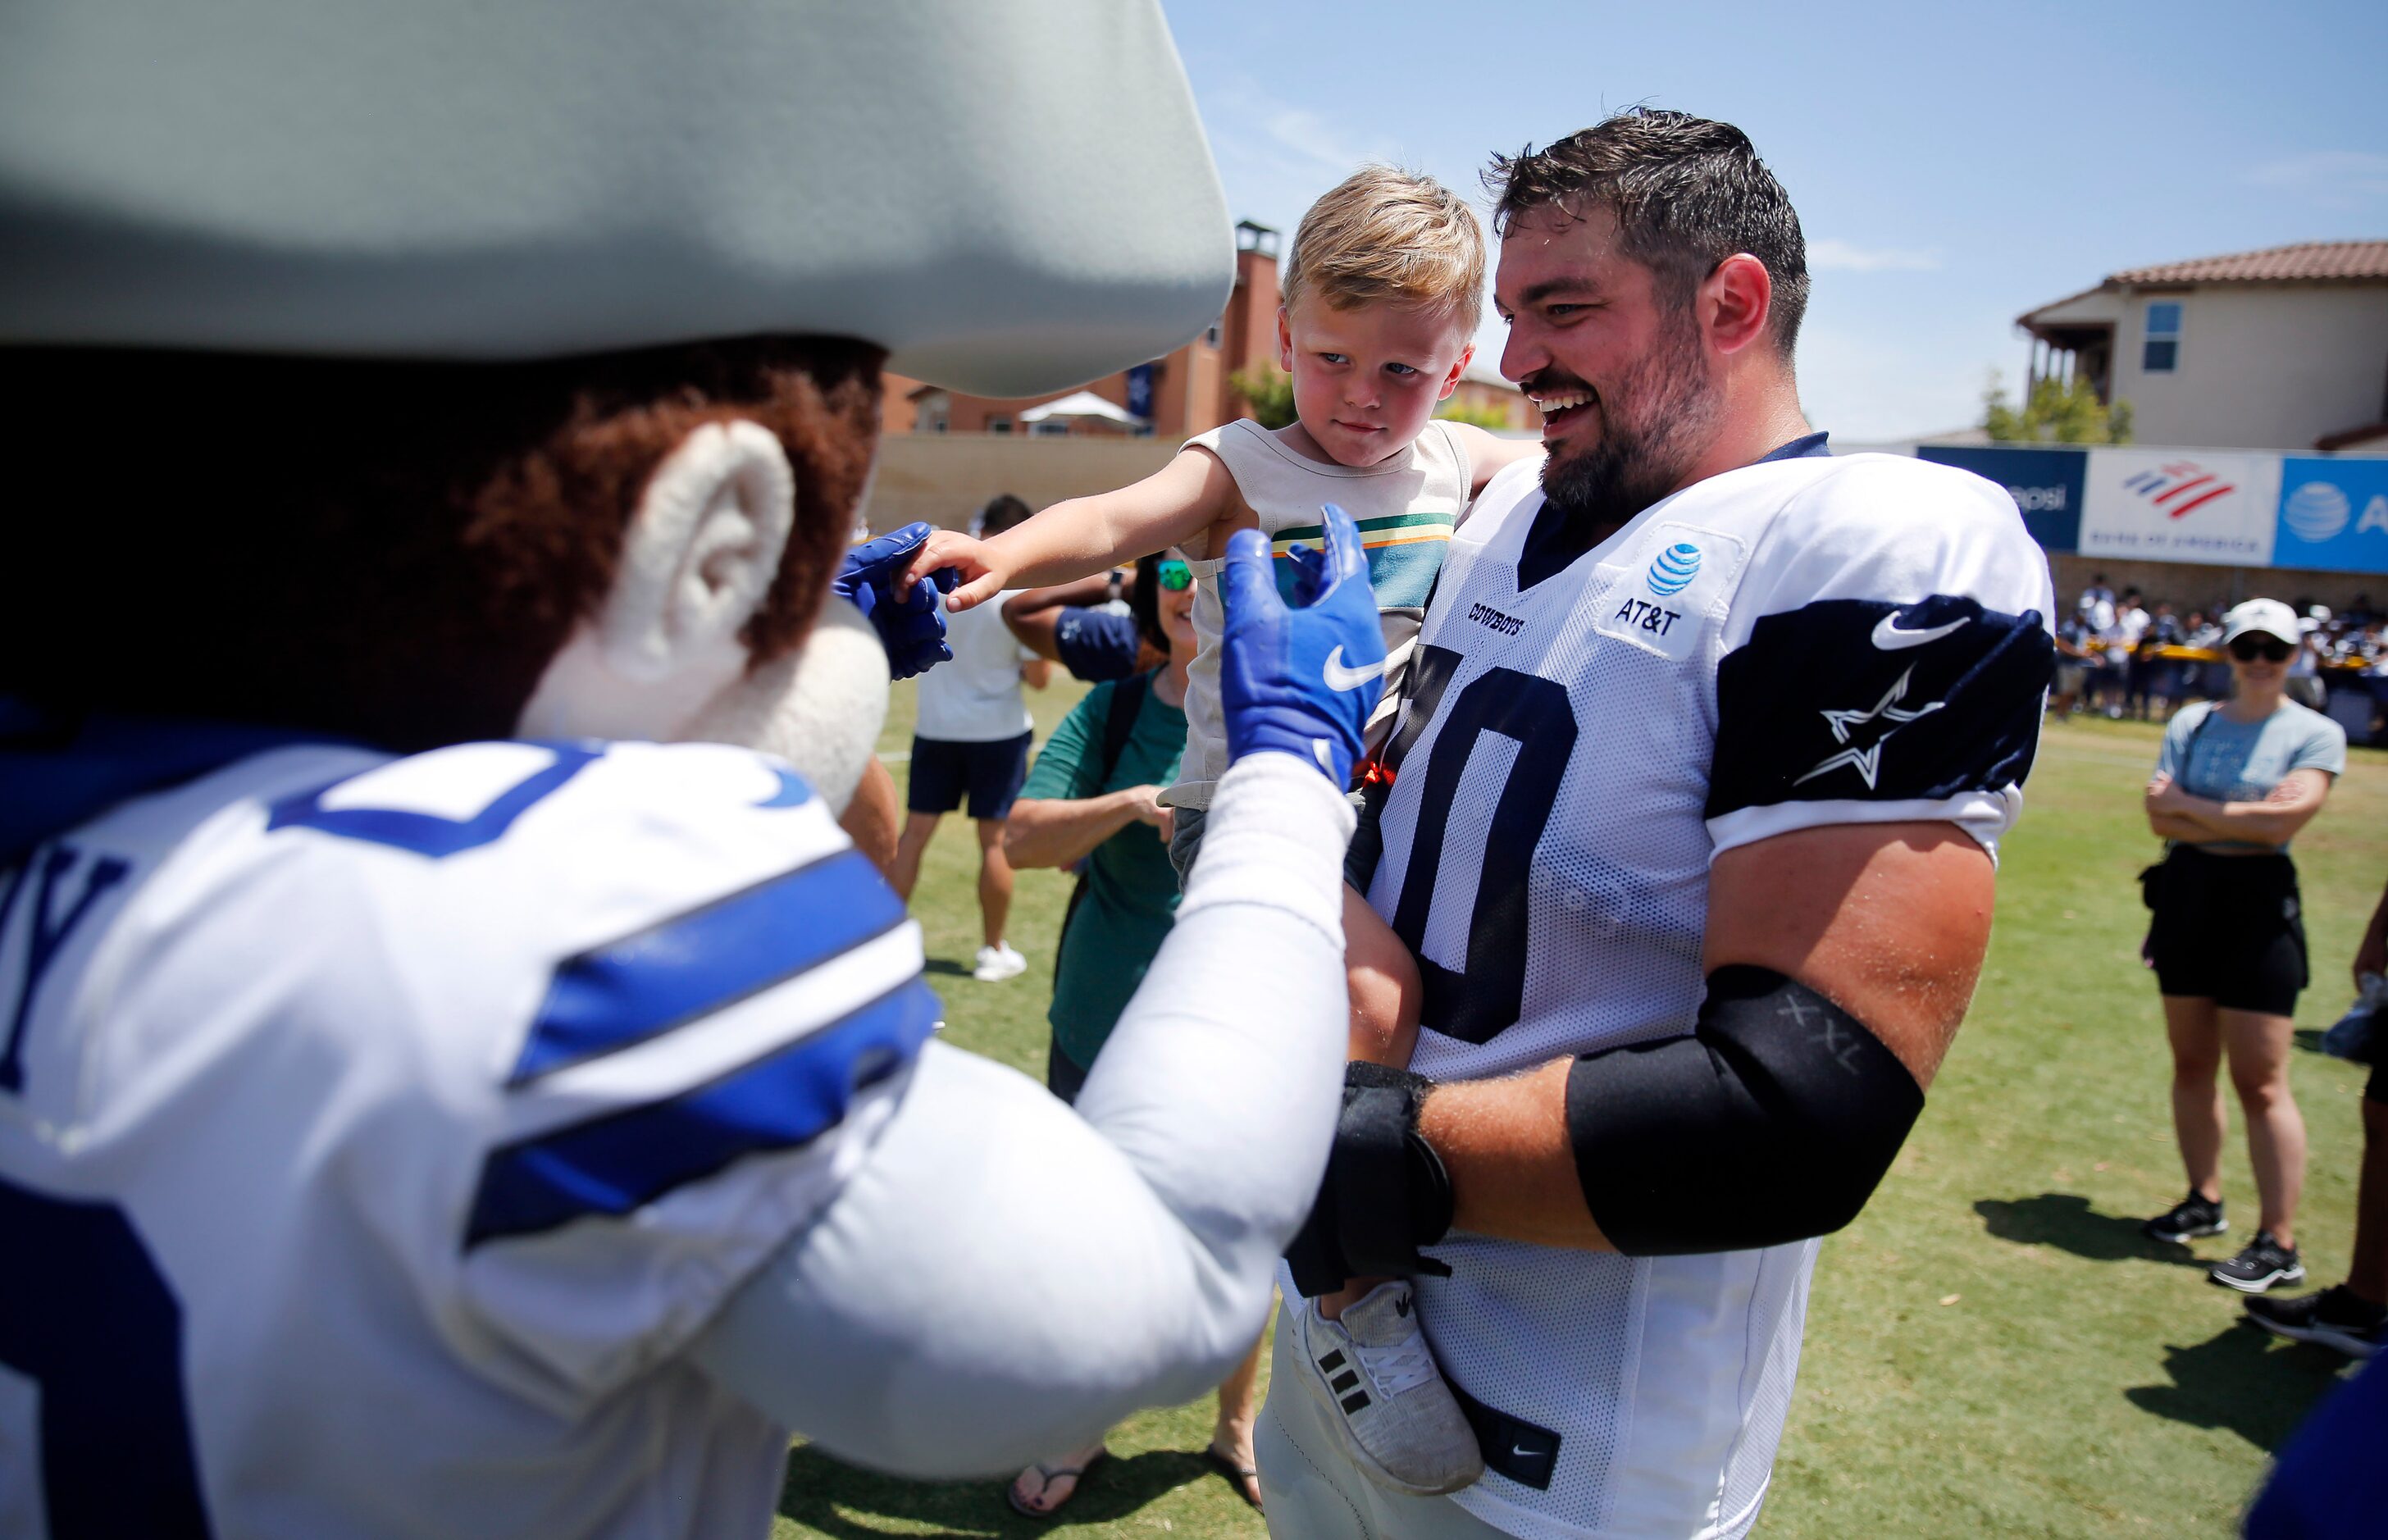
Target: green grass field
{"points": [[1992, 1349]]}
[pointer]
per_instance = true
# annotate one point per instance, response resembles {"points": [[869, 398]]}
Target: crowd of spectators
{"points": [[2125, 656]]}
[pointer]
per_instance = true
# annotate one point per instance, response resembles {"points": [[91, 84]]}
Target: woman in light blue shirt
{"points": [[2234, 782]]}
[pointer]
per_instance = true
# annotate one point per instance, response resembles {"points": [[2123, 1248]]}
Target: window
{"points": [[1218, 329], [998, 423], [2162, 353]]}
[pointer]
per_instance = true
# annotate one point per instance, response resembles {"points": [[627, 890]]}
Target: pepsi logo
{"points": [[1673, 570]]}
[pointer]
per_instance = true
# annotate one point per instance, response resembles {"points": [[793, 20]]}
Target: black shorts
{"points": [[991, 772], [2229, 929]]}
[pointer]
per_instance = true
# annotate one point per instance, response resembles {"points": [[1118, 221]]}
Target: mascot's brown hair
{"points": [[389, 552]]}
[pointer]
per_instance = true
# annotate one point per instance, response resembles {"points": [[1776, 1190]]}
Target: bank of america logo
{"points": [[2179, 488], [1674, 569]]}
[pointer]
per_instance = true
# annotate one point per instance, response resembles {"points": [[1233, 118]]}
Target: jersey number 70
{"points": [[1479, 1002]]}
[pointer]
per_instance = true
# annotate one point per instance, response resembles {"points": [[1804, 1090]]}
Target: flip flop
{"points": [[1046, 1475], [1245, 1479]]}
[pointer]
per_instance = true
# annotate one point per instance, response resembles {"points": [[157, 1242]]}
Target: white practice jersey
{"points": [[375, 1133], [1801, 641]]}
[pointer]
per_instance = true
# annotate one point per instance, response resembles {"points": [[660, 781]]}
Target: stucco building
{"points": [[2284, 349]]}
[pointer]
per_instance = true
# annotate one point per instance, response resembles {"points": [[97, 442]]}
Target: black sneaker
{"points": [[2259, 1265], [2334, 1317], [2192, 1215]]}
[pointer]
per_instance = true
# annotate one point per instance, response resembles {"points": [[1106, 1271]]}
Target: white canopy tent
{"points": [[1081, 405]]}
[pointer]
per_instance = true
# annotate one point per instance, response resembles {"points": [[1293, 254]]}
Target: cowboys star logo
{"points": [[1864, 732]]}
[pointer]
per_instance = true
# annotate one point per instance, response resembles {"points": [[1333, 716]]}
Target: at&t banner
{"points": [[2334, 515]]}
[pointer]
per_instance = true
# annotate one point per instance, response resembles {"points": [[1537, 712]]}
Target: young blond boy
{"points": [[1383, 291]]}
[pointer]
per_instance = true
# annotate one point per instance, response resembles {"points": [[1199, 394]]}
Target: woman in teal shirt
{"points": [[1094, 797], [2233, 784]]}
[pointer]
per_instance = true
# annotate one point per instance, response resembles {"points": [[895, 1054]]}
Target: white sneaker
{"points": [[999, 962], [1378, 1386]]}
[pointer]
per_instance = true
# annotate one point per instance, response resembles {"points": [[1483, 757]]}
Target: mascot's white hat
{"points": [[1010, 198]]}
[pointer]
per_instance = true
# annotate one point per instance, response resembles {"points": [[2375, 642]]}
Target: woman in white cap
{"points": [[2234, 782]]}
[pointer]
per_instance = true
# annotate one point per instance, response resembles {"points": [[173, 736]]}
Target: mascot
{"points": [[458, 1078]]}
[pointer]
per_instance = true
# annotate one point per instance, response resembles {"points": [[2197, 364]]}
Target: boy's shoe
{"points": [[999, 962], [2261, 1264], [2192, 1215], [2333, 1319], [1377, 1384]]}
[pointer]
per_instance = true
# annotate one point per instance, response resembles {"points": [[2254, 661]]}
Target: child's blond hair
{"points": [[1387, 235]]}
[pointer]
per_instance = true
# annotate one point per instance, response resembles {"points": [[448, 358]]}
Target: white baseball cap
{"points": [[2268, 615], [1009, 199]]}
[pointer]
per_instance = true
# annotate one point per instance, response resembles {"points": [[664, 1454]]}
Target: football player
{"points": [[1699, 788], [447, 1089]]}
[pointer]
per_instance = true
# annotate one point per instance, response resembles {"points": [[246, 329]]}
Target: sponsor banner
{"points": [[2174, 505], [2045, 483], [2334, 515]]}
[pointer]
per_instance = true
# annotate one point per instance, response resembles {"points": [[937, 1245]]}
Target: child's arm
{"points": [[1489, 452], [1083, 535]]}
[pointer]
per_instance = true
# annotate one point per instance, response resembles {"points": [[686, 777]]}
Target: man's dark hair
{"points": [[1144, 602], [1002, 513], [1687, 193]]}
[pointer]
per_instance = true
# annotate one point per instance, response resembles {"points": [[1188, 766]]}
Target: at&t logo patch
{"points": [[1674, 569]]}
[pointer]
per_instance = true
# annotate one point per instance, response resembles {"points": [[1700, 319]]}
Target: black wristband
{"points": [[1386, 1193]]}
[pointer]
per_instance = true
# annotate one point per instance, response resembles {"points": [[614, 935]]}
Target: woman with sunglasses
{"points": [[1094, 798], [2234, 782]]}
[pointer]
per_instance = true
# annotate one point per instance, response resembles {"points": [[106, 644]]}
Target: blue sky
{"points": [[1952, 168]]}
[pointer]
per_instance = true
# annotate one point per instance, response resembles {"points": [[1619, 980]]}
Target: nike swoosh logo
{"points": [[1523, 1453], [1890, 638], [1341, 677]]}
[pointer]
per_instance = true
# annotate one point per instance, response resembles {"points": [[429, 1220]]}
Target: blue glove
{"points": [[1300, 680], [911, 628]]}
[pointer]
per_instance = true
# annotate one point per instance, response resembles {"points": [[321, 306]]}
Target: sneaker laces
{"points": [[1404, 1366]]}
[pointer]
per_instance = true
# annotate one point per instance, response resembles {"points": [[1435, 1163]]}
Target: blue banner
{"points": [[1139, 391], [2334, 515], [2045, 483]]}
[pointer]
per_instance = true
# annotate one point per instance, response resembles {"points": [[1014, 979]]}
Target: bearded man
{"points": [[1698, 793], [447, 1089]]}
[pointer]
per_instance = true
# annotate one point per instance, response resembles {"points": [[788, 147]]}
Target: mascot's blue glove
{"points": [[1300, 680], [911, 628]]}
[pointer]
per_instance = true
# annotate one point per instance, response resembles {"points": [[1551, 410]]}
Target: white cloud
{"points": [[2335, 178], [1838, 256]]}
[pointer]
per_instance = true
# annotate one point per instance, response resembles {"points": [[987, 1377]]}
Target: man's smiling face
{"points": [[1612, 357]]}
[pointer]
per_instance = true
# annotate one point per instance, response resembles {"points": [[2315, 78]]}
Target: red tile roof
{"points": [[2307, 260]]}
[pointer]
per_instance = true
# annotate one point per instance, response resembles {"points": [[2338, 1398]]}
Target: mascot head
{"points": [[439, 370]]}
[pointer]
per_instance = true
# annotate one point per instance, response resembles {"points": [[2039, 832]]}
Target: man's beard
{"points": [[1653, 426]]}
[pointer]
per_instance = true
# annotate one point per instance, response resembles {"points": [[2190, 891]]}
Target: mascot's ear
{"points": [[700, 553]]}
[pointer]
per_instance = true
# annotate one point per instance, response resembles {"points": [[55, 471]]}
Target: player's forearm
{"points": [[1047, 831], [1512, 1162]]}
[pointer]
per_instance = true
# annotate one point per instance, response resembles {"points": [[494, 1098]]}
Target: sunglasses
{"points": [[2271, 649], [1174, 575]]}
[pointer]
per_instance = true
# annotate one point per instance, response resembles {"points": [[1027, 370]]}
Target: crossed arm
{"points": [[1889, 921], [2177, 815]]}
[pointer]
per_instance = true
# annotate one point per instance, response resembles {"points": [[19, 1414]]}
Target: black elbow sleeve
{"points": [[1773, 1122]]}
